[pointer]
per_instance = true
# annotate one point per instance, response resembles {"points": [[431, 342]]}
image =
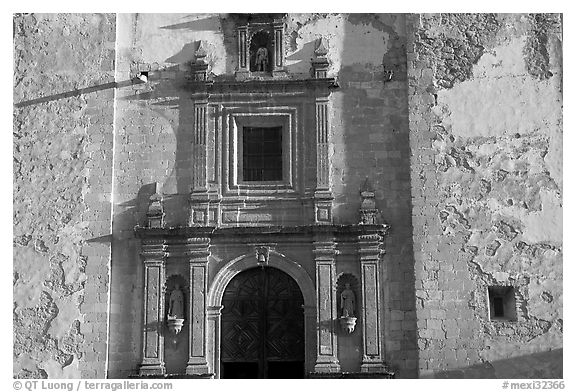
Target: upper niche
{"points": [[261, 52], [260, 44]]}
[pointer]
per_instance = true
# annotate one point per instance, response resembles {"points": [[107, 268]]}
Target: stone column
{"points": [[322, 195], [153, 254], [310, 331], [199, 199], [213, 315], [199, 143], [278, 45], [324, 254], [197, 356], [243, 52], [369, 250]]}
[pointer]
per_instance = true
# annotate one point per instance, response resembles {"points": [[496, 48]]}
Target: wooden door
{"points": [[262, 326]]}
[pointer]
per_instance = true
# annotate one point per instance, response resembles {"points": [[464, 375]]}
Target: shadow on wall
{"points": [[211, 23], [225, 24], [160, 142], [186, 54], [375, 144], [548, 364], [302, 59], [170, 95], [77, 92]]}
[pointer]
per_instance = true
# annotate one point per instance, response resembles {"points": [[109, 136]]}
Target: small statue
{"points": [[261, 59], [347, 301], [176, 303]]}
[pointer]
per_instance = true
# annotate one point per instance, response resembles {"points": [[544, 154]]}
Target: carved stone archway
{"points": [[245, 262]]}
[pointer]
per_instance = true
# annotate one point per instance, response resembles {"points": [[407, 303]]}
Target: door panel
{"points": [[263, 323]]}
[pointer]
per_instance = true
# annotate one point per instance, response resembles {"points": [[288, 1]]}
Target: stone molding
{"points": [[163, 246]]}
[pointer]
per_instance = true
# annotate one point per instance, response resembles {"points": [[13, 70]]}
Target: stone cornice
{"points": [[263, 85], [341, 232]]}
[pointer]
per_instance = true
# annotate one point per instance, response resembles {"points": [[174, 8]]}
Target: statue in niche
{"points": [[176, 303], [261, 59], [347, 301]]}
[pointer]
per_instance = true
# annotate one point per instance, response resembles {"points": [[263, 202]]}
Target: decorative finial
{"points": [[320, 64], [368, 211], [321, 48], [200, 53], [155, 213], [199, 67]]}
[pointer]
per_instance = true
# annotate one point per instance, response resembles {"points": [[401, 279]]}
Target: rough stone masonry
{"points": [[486, 139], [463, 146]]}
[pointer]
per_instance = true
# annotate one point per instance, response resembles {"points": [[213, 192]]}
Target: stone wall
{"points": [[370, 125], [486, 139], [63, 96]]}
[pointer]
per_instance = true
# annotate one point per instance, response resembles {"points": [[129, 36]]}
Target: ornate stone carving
{"points": [[348, 302], [200, 53], [260, 45], [327, 350], [347, 286], [323, 195], [329, 309], [199, 145], [242, 50], [199, 67], [153, 339], [199, 252], [321, 48], [370, 252], [262, 255], [175, 305], [320, 64], [155, 213], [348, 306], [278, 65], [261, 59], [369, 214]]}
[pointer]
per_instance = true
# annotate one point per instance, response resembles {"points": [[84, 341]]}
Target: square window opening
{"points": [[262, 154], [502, 301]]}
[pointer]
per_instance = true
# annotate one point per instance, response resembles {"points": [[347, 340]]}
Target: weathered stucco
{"points": [[61, 194], [487, 185]]}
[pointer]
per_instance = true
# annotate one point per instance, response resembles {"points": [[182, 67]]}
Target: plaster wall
{"points": [[485, 133], [62, 153]]}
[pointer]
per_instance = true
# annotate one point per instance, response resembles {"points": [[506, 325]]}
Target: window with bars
{"points": [[262, 154]]}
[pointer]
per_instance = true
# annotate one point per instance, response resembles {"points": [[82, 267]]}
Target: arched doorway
{"points": [[262, 326]]}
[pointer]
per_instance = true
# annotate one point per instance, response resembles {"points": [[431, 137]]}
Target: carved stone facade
{"points": [[298, 195], [230, 212], [170, 248]]}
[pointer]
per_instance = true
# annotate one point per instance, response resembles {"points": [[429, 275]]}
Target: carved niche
{"points": [[348, 301], [260, 44], [175, 307]]}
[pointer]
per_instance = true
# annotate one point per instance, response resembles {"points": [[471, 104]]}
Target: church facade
{"points": [[288, 196]]}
